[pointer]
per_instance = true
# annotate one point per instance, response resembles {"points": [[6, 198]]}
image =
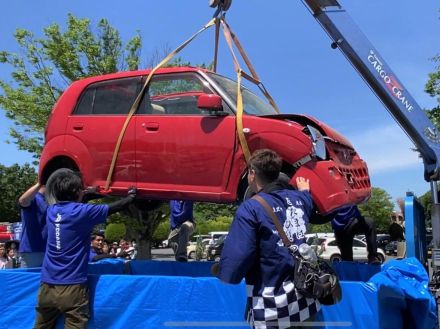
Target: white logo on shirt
{"points": [[57, 232], [294, 226]]}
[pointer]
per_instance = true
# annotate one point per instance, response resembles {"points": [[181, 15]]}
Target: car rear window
{"points": [[109, 97]]}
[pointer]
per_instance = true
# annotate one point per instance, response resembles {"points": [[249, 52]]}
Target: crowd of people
{"points": [[9, 256], [101, 249]]}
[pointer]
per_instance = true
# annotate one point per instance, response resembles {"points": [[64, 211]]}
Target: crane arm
{"points": [[365, 58]]}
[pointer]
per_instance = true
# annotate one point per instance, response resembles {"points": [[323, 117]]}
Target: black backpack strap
{"points": [[274, 218]]}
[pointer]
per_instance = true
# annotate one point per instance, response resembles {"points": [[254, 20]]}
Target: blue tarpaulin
{"points": [[403, 290], [174, 295]]}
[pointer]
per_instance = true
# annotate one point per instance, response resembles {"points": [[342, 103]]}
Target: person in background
{"points": [[33, 220], [12, 258], [182, 226], [105, 248], [114, 248], [255, 251], [3, 257], [396, 231], [63, 287]]}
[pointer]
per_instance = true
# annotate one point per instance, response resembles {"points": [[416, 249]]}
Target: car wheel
{"points": [[381, 258], [249, 193], [335, 258], [192, 255]]}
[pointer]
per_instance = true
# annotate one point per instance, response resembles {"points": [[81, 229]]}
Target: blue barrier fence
{"points": [[155, 294]]}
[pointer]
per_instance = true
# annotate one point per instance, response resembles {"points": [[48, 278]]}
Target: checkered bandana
{"points": [[279, 311]]}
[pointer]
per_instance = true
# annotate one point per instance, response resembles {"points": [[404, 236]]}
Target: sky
{"points": [[292, 55]]}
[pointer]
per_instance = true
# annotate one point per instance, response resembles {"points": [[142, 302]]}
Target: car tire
{"points": [[192, 255], [335, 258], [381, 258], [249, 193]]}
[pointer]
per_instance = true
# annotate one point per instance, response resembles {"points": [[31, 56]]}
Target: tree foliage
{"points": [[432, 87], [46, 65], [14, 181], [115, 231], [206, 211], [379, 207]]}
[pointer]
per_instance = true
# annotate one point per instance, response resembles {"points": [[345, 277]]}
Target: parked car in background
{"points": [[214, 251], [182, 141], [315, 239], [191, 249], [328, 250], [391, 248]]}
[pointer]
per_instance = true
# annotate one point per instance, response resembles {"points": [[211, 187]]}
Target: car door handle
{"points": [[78, 127], [151, 126]]}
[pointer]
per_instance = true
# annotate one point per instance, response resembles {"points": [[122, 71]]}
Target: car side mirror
{"points": [[210, 102]]}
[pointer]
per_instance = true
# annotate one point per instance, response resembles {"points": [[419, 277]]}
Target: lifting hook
{"points": [[221, 5]]}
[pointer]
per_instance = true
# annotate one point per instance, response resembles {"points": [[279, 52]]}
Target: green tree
{"points": [[14, 180], [46, 65], [379, 207], [161, 232], [207, 211], [115, 231], [432, 87]]}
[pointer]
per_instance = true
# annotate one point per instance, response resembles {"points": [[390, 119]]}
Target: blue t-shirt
{"points": [[181, 211], [92, 255], [342, 217], [33, 221], [69, 226]]}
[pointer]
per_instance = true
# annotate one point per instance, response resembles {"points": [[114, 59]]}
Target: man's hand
{"points": [[132, 191], [302, 184]]}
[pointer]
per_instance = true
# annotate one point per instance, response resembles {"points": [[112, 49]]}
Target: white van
{"points": [[215, 235]]}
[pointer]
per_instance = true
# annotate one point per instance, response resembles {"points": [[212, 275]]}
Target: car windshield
{"points": [[252, 104], [220, 240]]}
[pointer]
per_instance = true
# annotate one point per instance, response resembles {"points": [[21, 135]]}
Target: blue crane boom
{"points": [[365, 58]]}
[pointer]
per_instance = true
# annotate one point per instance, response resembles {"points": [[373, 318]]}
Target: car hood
{"points": [[308, 120]]}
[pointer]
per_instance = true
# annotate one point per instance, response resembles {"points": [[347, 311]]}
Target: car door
{"points": [[359, 250], [97, 121], [181, 149]]}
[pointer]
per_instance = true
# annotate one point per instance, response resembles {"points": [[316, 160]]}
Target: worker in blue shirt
{"points": [[33, 222], [182, 226], [63, 287], [254, 250], [346, 223]]}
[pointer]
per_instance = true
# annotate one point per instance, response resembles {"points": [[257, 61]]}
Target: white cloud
{"points": [[385, 148]]}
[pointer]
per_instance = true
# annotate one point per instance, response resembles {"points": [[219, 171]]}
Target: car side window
{"points": [[114, 97], [174, 94], [332, 243], [357, 243]]}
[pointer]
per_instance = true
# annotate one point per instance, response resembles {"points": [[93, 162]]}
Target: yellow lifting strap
{"points": [[231, 37], [139, 97]]}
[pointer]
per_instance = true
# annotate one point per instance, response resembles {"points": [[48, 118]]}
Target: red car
{"points": [[182, 142]]}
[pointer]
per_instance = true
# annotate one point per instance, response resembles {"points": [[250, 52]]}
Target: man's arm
{"points": [[239, 250], [27, 197], [121, 204]]}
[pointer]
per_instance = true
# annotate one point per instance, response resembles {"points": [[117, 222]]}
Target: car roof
{"points": [[127, 74]]}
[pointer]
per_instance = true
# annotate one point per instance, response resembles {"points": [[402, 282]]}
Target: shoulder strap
{"points": [[274, 218]]}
